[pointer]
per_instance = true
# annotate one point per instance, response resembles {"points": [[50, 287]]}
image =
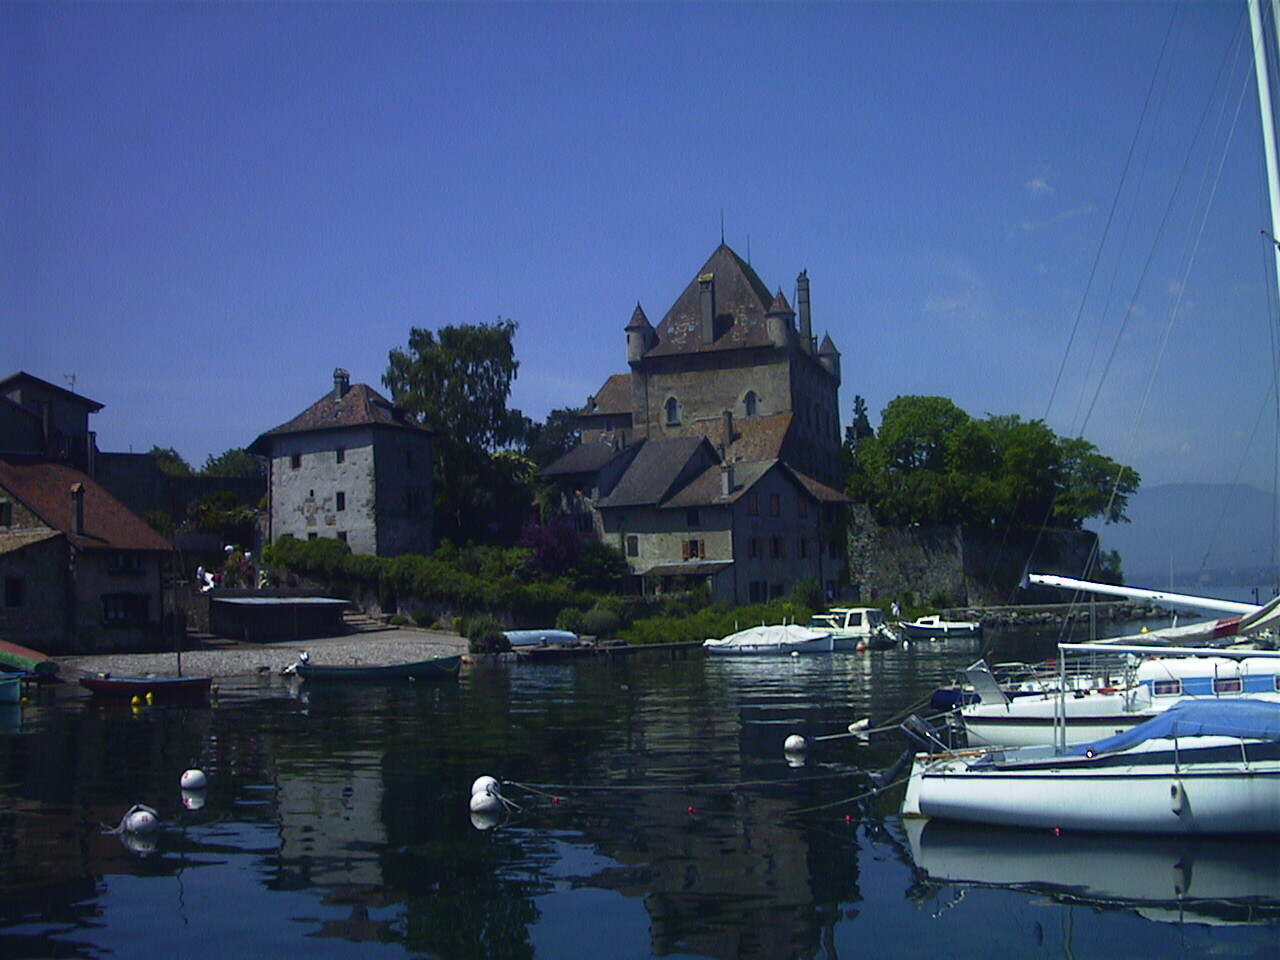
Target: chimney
{"points": [[341, 383], [726, 480], [802, 305], [707, 306], [77, 508], [726, 422]]}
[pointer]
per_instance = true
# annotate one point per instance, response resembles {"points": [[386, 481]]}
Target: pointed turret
{"points": [[829, 357], [641, 337], [780, 320]]}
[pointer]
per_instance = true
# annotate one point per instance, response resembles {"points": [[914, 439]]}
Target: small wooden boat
{"points": [[439, 668], [177, 689]]}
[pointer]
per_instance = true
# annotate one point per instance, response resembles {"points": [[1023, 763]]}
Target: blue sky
{"points": [[208, 207]]}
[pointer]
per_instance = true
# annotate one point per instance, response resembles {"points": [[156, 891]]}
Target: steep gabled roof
{"points": [[359, 406], [759, 438], [742, 300], [587, 457], [708, 489], [45, 489], [660, 469]]}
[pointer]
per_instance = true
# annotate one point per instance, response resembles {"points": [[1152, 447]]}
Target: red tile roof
{"points": [[45, 489]]}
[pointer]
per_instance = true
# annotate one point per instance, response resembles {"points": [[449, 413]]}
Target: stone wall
{"points": [[946, 566]]}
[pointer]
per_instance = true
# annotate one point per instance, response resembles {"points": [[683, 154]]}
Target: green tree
{"points": [[554, 437], [458, 381], [236, 462], [170, 461]]}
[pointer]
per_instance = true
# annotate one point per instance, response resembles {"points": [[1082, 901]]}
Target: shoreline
{"points": [[239, 659]]}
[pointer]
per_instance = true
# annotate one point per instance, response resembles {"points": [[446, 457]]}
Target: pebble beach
{"points": [[247, 659]]}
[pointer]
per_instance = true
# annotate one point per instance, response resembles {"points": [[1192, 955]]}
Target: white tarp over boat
{"points": [[780, 638]]}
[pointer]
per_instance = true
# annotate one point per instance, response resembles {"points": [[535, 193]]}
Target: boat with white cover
{"points": [[1199, 767], [772, 639]]}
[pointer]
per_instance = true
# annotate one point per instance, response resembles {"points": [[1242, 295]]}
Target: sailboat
{"points": [[1204, 765]]}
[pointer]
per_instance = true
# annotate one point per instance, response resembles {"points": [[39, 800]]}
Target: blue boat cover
{"points": [[1234, 717]]}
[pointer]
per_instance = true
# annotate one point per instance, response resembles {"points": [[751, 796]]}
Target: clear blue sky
{"points": [[208, 207]]}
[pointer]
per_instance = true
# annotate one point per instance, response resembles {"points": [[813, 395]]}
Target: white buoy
{"points": [[140, 819], [193, 780], [193, 799], [485, 785], [484, 802], [795, 744], [485, 821]]}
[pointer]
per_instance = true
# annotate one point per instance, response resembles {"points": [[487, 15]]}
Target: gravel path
{"points": [[246, 659]]}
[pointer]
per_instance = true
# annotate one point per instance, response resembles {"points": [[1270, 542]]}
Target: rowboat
{"points": [[1199, 767], [154, 689], [439, 668]]}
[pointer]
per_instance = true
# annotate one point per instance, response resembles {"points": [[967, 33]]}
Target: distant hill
{"points": [[1211, 532]]}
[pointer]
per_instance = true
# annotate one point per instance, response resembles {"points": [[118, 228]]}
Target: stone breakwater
{"points": [[249, 659], [1110, 611]]}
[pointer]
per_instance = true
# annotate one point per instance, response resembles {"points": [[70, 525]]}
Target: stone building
{"points": [[714, 460], [80, 572], [353, 466], [39, 420]]}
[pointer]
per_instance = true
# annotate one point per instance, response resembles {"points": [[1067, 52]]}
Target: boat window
{"points": [[855, 619], [1167, 688], [1227, 685]]}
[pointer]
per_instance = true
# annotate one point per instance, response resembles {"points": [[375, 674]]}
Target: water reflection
{"points": [[657, 810]]}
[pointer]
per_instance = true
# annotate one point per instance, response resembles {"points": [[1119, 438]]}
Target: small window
{"points": [[751, 403], [776, 550], [693, 549], [753, 548], [341, 500], [1167, 688], [775, 505], [633, 545], [341, 455], [753, 504], [1227, 685], [6, 513], [312, 535], [295, 461], [342, 535], [672, 408]]}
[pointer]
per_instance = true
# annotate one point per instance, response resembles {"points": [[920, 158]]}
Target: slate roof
{"points": [[16, 381], [611, 399], [360, 406], [655, 471], [707, 488], [45, 489], [758, 438], [742, 307], [586, 457]]}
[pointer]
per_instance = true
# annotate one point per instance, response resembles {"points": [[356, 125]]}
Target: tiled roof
{"points": [[820, 491], [360, 406], [657, 470], [586, 457], [45, 489], [707, 488], [741, 298], [613, 398], [758, 438]]}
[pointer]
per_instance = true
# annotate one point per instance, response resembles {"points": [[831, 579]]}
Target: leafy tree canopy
{"points": [[170, 461], [932, 463], [458, 381], [236, 462]]}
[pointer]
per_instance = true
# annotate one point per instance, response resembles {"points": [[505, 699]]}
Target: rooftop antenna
{"points": [[71, 381]]}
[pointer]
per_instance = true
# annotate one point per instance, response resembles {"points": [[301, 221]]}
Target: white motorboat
{"points": [[1200, 767], [935, 628], [772, 639], [856, 628], [1099, 706]]}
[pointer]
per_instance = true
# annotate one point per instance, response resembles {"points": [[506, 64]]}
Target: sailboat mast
{"points": [[1260, 61]]}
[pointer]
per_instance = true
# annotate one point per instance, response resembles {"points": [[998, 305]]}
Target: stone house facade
{"points": [[80, 572], [353, 466], [729, 403], [43, 421]]}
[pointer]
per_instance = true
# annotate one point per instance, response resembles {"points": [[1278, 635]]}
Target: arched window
{"points": [[672, 408], [751, 403]]}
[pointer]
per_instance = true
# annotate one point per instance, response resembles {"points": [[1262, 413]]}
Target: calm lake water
{"points": [[658, 817]]}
